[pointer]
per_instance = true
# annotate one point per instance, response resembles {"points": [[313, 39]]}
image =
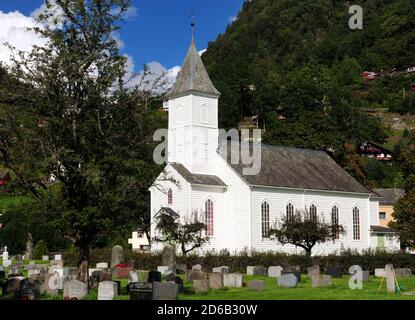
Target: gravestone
{"points": [[288, 280], [121, 272], [117, 256], [216, 280], [197, 267], [201, 286], [256, 285], [179, 282], [365, 275], [107, 290], [33, 272], [102, 265], [94, 279], [335, 271], [133, 277], [260, 271], [297, 274], [29, 247], [232, 280], [223, 270], [195, 275], [318, 280], [2, 275], [274, 271], [170, 277], [74, 290], [250, 270], [380, 273], [164, 270], [50, 284], [165, 290], [403, 272], [58, 257], [12, 286], [45, 258], [154, 276], [29, 289], [141, 291], [313, 271], [390, 278], [168, 255]]}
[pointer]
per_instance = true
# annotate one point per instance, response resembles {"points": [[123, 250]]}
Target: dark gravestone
{"points": [[12, 286], [2, 275], [29, 289], [154, 276], [297, 274], [171, 277], [165, 291], [335, 271], [260, 271], [141, 291], [119, 289], [179, 282]]}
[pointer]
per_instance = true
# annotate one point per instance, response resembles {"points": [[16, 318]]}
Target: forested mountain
{"points": [[297, 65]]}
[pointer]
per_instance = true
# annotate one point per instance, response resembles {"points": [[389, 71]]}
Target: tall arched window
{"points": [[205, 113], [335, 219], [313, 213], [170, 197], [265, 219], [290, 211], [209, 217], [356, 224]]}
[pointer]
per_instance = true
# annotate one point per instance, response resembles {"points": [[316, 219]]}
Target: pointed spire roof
{"points": [[193, 76]]}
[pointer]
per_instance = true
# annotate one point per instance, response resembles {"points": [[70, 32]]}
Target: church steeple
{"points": [[193, 77]]}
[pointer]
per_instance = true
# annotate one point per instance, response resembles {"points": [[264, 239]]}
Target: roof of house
{"points": [[193, 76], [389, 196], [197, 179], [298, 168], [381, 229], [169, 211]]}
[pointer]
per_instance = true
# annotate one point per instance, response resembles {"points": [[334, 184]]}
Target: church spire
{"points": [[193, 76]]}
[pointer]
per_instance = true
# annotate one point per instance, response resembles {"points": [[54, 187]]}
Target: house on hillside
{"points": [[376, 151], [239, 207]]}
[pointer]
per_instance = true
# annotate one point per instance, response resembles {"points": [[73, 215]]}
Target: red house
{"points": [[376, 151]]}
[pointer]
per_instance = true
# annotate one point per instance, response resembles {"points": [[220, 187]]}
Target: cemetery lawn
{"points": [[339, 291]]}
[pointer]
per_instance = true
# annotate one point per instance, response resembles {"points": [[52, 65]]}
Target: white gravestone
{"points": [[274, 271], [102, 265], [58, 257], [232, 280], [107, 290], [390, 278], [75, 290], [250, 270], [380, 273]]}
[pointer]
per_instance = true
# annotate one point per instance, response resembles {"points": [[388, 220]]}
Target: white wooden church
{"points": [[239, 209]]}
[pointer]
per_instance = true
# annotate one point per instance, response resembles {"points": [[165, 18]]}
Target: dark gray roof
{"points": [[169, 211], [382, 229], [201, 179], [193, 76], [390, 196], [298, 168]]}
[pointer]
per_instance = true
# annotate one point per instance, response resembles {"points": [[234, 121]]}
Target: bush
{"points": [[369, 260], [40, 250]]}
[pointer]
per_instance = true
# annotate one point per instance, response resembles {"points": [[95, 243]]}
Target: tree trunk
{"points": [[83, 264]]}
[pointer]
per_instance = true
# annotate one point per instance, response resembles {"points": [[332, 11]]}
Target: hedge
{"points": [[369, 260]]}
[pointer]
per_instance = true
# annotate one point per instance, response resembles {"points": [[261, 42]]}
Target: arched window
{"points": [[335, 219], [313, 213], [290, 211], [356, 224], [170, 197], [265, 219], [209, 217]]}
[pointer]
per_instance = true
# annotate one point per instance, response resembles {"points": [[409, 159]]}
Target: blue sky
{"points": [[160, 30]]}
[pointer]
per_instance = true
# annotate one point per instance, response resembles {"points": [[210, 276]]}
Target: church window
{"points": [[209, 217], [356, 224], [290, 211], [335, 220], [265, 219], [205, 113], [170, 197], [313, 213]]}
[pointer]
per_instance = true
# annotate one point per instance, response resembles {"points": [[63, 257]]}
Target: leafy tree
{"points": [[189, 233], [40, 250], [305, 231], [404, 211], [75, 114]]}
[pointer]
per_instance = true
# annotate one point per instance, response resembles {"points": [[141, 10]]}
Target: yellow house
{"points": [[389, 197]]}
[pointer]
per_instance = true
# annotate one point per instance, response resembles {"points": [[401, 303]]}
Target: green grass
{"points": [[339, 291]]}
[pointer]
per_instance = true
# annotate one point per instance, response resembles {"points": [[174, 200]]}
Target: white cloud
{"points": [[14, 31]]}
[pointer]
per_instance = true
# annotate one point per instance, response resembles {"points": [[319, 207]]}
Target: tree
{"points": [[71, 112], [305, 231], [189, 233], [40, 250], [404, 211]]}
